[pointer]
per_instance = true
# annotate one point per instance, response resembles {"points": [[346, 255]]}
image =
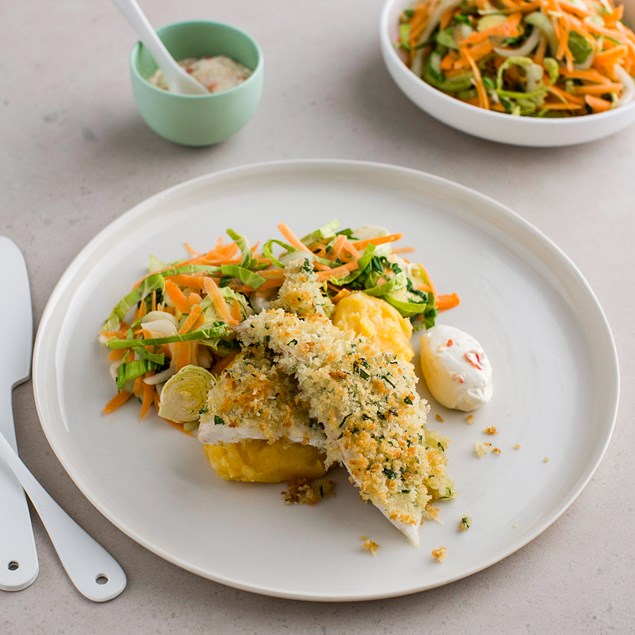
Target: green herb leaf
{"points": [[579, 47]]}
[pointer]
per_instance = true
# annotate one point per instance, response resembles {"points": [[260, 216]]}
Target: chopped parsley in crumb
{"points": [[465, 523], [439, 554], [306, 492], [369, 545]]}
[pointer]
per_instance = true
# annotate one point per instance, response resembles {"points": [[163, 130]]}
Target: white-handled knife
{"points": [[18, 558]]}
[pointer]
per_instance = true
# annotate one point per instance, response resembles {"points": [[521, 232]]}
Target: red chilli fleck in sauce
{"points": [[450, 342], [475, 359]]}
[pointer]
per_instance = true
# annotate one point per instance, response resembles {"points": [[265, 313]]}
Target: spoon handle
{"points": [[138, 21], [93, 571], [18, 557]]}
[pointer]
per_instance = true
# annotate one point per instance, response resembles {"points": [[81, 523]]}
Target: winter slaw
{"points": [[538, 58]]}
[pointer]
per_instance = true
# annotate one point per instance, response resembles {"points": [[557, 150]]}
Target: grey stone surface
{"points": [[74, 155]]}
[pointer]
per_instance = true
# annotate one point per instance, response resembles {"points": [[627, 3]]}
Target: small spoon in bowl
{"points": [[176, 78]]}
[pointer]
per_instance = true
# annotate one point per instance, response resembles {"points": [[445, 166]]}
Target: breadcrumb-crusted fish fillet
{"points": [[300, 292], [254, 399], [367, 402]]}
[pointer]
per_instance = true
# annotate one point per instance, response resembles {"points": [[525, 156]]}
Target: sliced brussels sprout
{"points": [[184, 395]]}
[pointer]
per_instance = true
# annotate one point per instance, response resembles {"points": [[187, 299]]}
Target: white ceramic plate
{"points": [[555, 372]]}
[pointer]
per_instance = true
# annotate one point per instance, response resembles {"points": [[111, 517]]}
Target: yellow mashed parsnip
{"points": [[377, 320], [256, 461]]}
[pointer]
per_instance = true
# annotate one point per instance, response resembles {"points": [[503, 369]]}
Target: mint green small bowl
{"points": [[198, 120]]}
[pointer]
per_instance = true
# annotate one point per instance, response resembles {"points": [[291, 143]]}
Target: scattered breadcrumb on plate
{"points": [[516, 446], [465, 523], [490, 430], [546, 460], [481, 449], [496, 451], [439, 418], [439, 554], [306, 492], [470, 419], [369, 545]]}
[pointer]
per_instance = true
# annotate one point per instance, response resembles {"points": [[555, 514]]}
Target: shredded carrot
{"points": [[598, 89], [597, 104], [194, 298], [403, 250], [589, 75], [184, 280], [447, 301], [181, 355], [561, 106], [116, 354], [235, 311], [377, 240], [564, 96], [540, 51], [191, 318], [483, 99], [213, 291], [148, 398], [337, 271], [191, 251], [119, 399], [508, 28], [137, 387], [292, 239], [176, 295], [342, 293], [428, 279]]}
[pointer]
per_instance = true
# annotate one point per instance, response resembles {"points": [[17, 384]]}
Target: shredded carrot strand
{"points": [[191, 318], [148, 398], [342, 293], [597, 104], [448, 301], [292, 239], [118, 400], [184, 280], [377, 240], [176, 295], [338, 271], [213, 291]]}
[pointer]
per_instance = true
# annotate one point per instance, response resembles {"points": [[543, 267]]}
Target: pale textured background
{"points": [[74, 155]]}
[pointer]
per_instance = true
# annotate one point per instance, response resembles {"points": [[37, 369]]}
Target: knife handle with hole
{"points": [[18, 558]]}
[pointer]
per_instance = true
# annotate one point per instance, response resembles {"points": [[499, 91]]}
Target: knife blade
{"points": [[18, 557]]}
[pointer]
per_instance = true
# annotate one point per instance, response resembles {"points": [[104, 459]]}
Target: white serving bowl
{"points": [[494, 126]]}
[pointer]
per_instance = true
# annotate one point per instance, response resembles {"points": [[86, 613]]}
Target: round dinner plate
{"points": [[556, 387]]}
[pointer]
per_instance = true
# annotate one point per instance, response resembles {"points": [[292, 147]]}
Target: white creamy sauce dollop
{"points": [[455, 367], [216, 73]]}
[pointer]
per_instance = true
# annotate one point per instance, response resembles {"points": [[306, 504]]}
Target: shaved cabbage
{"points": [[152, 283]]}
